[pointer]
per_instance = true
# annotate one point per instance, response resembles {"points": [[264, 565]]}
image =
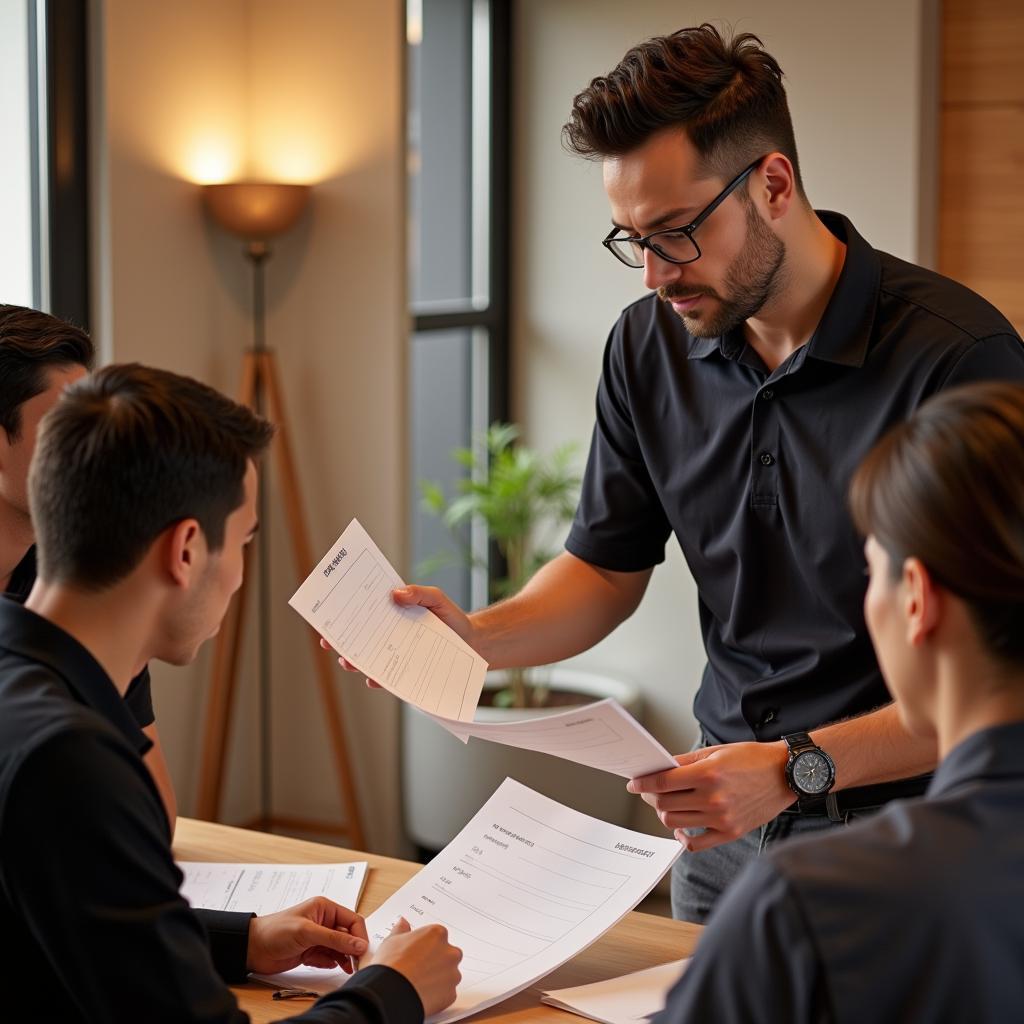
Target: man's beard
{"points": [[751, 280]]}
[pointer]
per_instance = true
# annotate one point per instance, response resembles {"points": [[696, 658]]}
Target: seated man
{"points": [[39, 356], [915, 915], [142, 490]]}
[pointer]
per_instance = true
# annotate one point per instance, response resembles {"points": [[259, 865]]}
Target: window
{"points": [[44, 246], [458, 147]]}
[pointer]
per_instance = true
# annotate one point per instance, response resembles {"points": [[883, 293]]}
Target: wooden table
{"points": [[638, 941]]}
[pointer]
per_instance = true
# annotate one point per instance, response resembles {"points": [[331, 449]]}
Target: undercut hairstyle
{"points": [[947, 487], [126, 453], [31, 344], [726, 93]]}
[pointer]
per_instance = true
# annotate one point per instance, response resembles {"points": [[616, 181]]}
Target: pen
{"points": [[295, 993]]}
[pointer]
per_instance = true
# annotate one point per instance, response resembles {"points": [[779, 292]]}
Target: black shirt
{"points": [[914, 915], [750, 470], [92, 920], [138, 696]]}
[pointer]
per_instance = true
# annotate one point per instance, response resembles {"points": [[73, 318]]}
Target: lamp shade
{"points": [[255, 210]]}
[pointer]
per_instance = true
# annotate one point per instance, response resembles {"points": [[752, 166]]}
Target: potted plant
{"points": [[524, 499]]}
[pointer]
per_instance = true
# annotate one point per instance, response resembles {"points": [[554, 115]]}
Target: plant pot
{"points": [[445, 782]]}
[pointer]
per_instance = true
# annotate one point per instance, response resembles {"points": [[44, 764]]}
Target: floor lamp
{"points": [[258, 212]]}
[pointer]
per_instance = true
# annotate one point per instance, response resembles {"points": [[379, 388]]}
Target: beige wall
{"points": [[312, 90], [864, 121], [309, 91]]}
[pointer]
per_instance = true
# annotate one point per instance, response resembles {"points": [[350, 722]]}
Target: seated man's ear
{"points": [[184, 551]]}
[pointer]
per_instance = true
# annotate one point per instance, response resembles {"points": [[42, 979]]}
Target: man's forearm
{"points": [[566, 608], [875, 748]]}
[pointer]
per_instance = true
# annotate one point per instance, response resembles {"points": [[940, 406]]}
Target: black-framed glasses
{"points": [[675, 245]]}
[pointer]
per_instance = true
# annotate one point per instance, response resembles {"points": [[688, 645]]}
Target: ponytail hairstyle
{"points": [[947, 487]]}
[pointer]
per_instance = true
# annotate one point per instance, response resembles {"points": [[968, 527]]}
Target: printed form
{"points": [[409, 651], [267, 888], [525, 886], [603, 735]]}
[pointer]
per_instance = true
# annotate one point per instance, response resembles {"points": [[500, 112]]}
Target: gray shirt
{"points": [[915, 915]]}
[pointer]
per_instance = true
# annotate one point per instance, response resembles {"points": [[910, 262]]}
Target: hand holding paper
{"points": [[409, 651]]}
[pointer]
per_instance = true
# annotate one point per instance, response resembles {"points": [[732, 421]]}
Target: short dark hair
{"points": [[31, 343], [126, 453], [726, 93], [947, 487]]}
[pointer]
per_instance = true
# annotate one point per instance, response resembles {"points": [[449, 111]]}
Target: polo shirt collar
{"points": [[844, 332], [30, 636], [987, 755], [20, 584]]}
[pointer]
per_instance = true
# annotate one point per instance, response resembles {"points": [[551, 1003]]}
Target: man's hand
{"points": [[317, 933], [427, 959], [727, 790], [425, 597]]}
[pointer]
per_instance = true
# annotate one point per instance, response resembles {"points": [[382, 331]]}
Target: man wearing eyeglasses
{"points": [[736, 399]]}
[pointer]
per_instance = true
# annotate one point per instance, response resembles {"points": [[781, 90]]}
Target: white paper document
{"points": [[525, 886], [409, 651], [267, 888], [630, 999], [602, 735]]}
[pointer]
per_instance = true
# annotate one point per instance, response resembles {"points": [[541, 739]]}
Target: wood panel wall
{"points": [[981, 192]]}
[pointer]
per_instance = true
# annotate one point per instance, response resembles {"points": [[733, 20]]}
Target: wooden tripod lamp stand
{"points": [[257, 212]]}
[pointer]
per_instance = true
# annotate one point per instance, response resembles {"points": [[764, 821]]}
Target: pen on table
{"points": [[295, 993]]}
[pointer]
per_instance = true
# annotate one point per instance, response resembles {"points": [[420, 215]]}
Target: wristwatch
{"points": [[810, 772]]}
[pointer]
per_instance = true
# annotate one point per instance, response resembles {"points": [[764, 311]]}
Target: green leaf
{"points": [[504, 699], [433, 499]]}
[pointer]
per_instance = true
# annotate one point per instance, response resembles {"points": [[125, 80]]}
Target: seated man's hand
{"points": [[433, 598], [317, 933], [427, 959], [726, 790]]}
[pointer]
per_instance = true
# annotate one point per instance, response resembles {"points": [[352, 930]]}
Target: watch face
{"points": [[811, 772]]}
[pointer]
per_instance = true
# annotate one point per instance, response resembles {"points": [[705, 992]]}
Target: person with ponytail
{"points": [[916, 914]]}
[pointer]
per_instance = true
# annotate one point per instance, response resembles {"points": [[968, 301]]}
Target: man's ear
{"points": [[922, 601], [184, 551], [777, 179]]}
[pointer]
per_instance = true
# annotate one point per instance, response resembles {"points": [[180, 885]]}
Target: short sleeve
{"points": [[620, 523], [1000, 357], [756, 960], [139, 699]]}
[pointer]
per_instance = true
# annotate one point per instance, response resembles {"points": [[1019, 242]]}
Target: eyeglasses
{"points": [[675, 245]]}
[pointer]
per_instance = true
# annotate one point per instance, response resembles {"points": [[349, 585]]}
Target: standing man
{"points": [[40, 356], [736, 399]]}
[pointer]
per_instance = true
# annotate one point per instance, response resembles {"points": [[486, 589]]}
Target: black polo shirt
{"points": [[750, 470], [139, 695], [92, 920], [913, 915]]}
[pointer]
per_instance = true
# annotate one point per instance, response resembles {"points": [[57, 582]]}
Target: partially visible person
{"points": [[142, 490], [916, 914], [39, 356]]}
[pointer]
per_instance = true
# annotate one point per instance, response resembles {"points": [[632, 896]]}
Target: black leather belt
{"points": [[841, 803]]}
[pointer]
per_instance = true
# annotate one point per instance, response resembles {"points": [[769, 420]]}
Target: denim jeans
{"points": [[698, 879]]}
